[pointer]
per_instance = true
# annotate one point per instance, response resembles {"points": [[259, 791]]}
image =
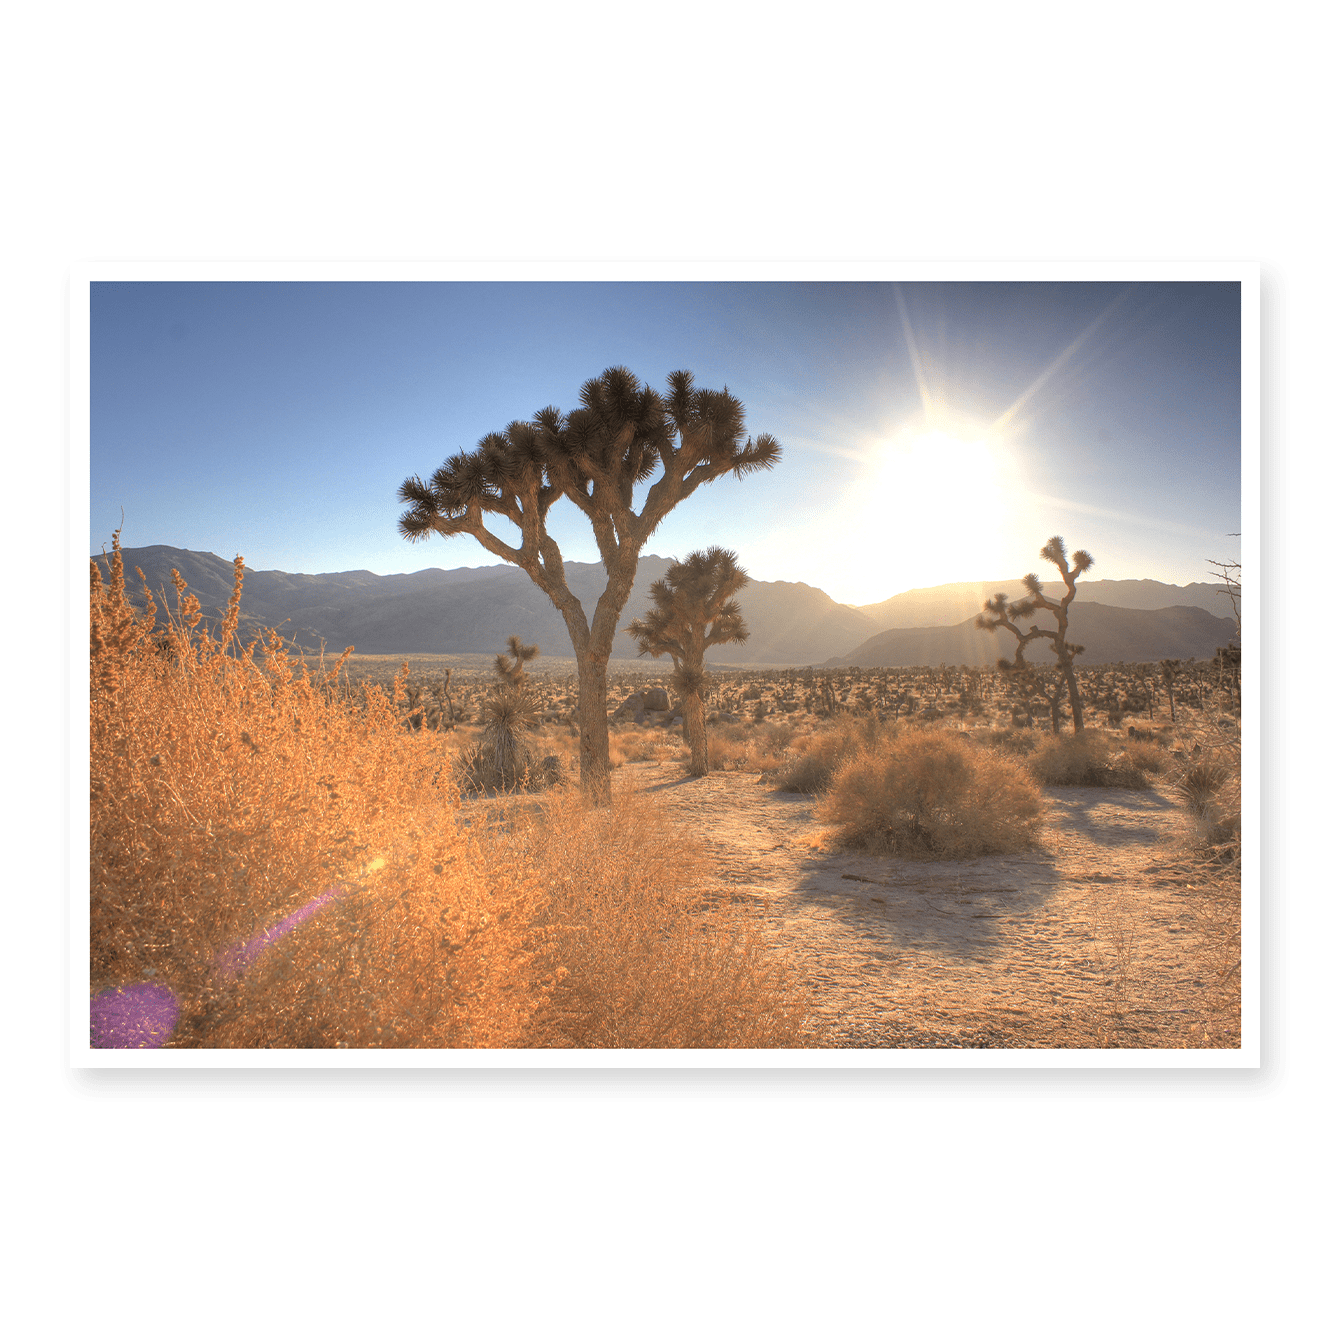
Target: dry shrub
{"points": [[764, 747], [1084, 759], [1018, 743], [816, 756], [230, 789], [643, 959], [933, 795], [1145, 756], [768, 748], [645, 744], [1214, 797], [727, 747]]}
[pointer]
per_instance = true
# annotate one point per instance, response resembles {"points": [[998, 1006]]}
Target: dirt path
{"points": [[1092, 940]]}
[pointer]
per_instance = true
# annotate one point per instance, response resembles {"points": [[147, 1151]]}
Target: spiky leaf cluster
{"points": [[619, 436], [510, 667]]}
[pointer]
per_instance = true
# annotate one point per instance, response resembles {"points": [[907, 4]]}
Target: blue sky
{"points": [[932, 432]]}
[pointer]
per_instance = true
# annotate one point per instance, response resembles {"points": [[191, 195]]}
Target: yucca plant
{"points": [[504, 758]]}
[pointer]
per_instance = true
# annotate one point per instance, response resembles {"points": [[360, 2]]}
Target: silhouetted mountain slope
{"points": [[930, 606], [1108, 633], [464, 610], [478, 609]]}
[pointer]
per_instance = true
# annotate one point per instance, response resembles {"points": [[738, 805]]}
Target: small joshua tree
{"points": [[1000, 613], [693, 609]]}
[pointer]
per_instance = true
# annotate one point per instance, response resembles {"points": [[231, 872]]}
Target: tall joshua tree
{"points": [[693, 609], [622, 435], [999, 612]]}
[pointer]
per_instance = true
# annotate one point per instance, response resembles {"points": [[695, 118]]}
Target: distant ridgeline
{"points": [[475, 610]]}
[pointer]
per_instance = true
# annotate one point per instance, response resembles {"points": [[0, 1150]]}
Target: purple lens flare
{"points": [[140, 1016], [235, 958], [145, 1015]]}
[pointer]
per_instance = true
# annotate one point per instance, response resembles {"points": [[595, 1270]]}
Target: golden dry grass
{"points": [[231, 787], [643, 958]]}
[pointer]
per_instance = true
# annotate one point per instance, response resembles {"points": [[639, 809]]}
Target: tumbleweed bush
{"points": [[1085, 759], [932, 795], [815, 755]]}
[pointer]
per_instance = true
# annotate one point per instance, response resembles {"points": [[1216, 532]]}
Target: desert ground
{"points": [[1104, 936], [1118, 928]]}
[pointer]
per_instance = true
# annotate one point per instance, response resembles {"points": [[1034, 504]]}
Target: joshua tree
{"points": [[622, 435], [1000, 613], [694, 608]]}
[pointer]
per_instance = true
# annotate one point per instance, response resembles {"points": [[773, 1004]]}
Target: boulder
{"points": [[631, 708], [656, 699]]}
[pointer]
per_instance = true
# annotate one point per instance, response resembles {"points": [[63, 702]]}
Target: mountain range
{"points": [[476, 610]]}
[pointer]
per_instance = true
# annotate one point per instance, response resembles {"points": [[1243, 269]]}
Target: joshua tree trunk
{"points": [[593, 722], [696, 727], [1073, 692]]}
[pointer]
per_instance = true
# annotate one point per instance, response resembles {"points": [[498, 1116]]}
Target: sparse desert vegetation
{"points": [[235, 787]]}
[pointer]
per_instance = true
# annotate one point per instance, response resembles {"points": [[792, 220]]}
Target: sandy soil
{"points": [[1095, 939]]}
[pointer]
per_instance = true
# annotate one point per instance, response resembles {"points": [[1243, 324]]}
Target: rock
{"points": [[631, 707], [656, 699]]}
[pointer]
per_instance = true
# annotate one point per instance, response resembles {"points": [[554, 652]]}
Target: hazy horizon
{"points": [[932, 432], [1045, 571]]}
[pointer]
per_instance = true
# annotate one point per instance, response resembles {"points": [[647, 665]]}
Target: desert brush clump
{"points": [[815, 756], [643, 957], [1085, 759], [932, 795], [230, 787], [1213, 795], [1145, 755]]}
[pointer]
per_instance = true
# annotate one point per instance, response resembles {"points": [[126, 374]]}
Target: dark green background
{"points": [[1014, 131]]}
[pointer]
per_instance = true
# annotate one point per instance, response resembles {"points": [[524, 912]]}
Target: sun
{"points": [[940, 503]]}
